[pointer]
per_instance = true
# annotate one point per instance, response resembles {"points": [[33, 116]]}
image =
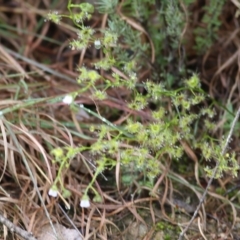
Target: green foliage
{"points": [[169, 231], [62, 157], [175, 19], [107, 6], [207, 33], [54, 17], [144, 145], [229, 117], [166, 34]]}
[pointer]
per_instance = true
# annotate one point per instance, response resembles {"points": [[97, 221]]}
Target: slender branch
{"points": [[13, 228], [213, 176]]}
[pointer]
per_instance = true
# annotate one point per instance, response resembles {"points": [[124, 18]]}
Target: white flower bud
{"points": [[85, 203], [97, 44], [53, 192], [68, 99]]}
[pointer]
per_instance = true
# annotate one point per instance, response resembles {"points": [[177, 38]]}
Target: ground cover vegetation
{"points": [[114, 116]]}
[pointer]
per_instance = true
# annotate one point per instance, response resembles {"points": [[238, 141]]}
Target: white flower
{"points": [[68, 99], [53, 192], [84, 203], [97, 44]]}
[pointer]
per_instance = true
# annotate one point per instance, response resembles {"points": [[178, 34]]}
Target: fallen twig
{"points": [[13, 228]]}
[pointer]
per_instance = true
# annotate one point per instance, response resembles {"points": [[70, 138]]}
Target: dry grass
{"points": [[37, 69]]}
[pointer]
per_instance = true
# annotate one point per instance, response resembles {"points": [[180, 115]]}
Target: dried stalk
{"points": [[15, 229]]}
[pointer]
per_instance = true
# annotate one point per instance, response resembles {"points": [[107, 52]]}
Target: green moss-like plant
{"points": [[145, 145]]}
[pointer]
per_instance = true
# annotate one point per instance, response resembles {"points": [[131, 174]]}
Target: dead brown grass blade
{"points": [[9, 60]]}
